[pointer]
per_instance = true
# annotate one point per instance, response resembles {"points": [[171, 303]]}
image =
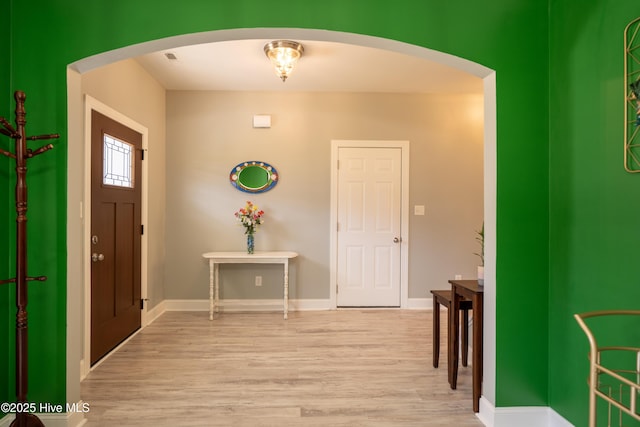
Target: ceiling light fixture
{"points": [[283, 55]]}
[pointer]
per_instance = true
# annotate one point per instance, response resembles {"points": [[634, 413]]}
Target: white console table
{"points": [[217, 258]]}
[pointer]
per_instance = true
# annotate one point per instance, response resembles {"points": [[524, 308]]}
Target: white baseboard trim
{"points": [[420, 303], [557, 420], [75, 418], [155, 312], [309, 304], [231, 305], [523, 416]]}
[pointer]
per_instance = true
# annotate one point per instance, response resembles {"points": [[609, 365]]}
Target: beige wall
{"points": [[127, 88], [210, 132], [207, 133]]}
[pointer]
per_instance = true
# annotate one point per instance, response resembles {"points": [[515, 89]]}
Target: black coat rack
{"points": [[23, 416]]}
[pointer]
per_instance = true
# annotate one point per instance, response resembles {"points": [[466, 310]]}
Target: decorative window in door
{"points": [[632, 97], [118, 162]]}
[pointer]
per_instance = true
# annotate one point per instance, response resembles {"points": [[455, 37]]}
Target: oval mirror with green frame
{"points": [[253, 177]]}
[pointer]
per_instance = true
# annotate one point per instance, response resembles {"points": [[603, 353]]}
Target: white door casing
{"points": [[91, 104], [369, 218]]}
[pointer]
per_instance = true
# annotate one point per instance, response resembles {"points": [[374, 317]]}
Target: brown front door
{"points": [[115, 233]]}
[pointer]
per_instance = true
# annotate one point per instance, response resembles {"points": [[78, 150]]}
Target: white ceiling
{"points": [[241, 65]]}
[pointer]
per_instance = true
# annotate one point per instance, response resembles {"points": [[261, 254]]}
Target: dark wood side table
{"points": [[471, 290], [443, 297]]}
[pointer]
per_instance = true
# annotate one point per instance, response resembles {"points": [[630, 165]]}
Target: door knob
{"points": [[97, 257], [397, 239]]}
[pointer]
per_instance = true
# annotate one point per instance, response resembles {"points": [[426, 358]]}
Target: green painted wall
{"points": [[509, 36], [594, 203], [5, 199]]}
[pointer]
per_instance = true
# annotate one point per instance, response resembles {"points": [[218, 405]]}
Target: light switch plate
{"points": [[418, 210]]}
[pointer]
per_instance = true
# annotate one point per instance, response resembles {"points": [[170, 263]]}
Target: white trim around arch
{"points": [[76, 162]]}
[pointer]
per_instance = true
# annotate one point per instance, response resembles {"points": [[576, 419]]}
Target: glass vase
{"points": [[250, 243]]}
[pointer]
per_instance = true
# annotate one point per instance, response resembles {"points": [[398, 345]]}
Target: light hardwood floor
{"points": [[319, 368]]}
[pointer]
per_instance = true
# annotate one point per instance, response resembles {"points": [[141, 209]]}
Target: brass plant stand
{"points": [[614, 368]]}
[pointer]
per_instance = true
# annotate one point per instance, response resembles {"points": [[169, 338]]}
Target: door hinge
{"points": [[142, 154], [141, 304], [337, 288], [141, 229]]}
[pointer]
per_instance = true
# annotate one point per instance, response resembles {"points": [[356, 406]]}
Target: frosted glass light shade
{"points": [[284, 55]]}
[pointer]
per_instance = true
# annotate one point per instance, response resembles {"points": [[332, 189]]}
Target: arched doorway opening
{"points": [[77, 269]]}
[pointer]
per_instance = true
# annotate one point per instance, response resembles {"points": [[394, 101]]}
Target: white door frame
{"points": [[404, 215], [90, 104]]}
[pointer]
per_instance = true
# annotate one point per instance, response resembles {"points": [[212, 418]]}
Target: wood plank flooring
{"points": [[319, 368]]}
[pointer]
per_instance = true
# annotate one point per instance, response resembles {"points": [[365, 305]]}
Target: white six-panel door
{"points": [[369, 234]]}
